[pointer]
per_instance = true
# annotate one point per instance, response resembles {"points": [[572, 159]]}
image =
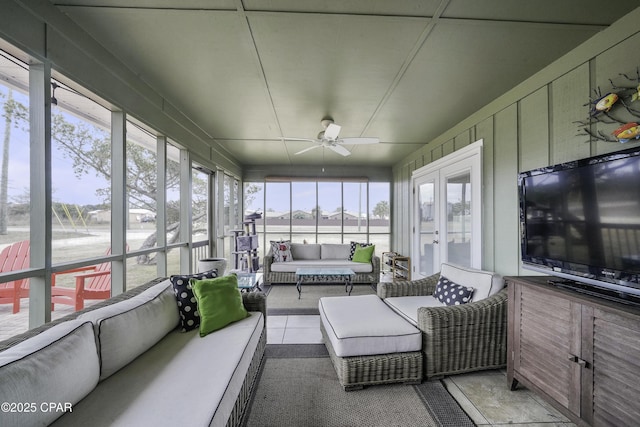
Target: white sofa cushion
{"points": [[335, 251], [291, 267], [407, 307], [183, 380], [59, 365], [129, 328], [305, 251], [364, 325], [485, 283]]}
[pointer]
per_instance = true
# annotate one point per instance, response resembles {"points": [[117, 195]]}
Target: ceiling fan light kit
{"points": [[329, 138]]}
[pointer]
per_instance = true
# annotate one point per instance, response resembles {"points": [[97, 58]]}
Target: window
{"points": [[82, 219], [80, 171], [172, 176], [303, 219], [254, 202], [142, 194], [321, 211], [14, 179]]}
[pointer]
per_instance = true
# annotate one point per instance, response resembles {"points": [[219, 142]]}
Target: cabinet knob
{"points": [[436, 242]]}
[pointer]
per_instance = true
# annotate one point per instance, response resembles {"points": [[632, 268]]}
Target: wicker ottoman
{"points": [[369, 343]]}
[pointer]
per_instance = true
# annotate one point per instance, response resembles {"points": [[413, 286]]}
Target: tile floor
{"points": [[484, 396]]}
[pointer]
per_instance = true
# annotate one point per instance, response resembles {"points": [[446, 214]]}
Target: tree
{"points": [[89, 149], [381, 210]]}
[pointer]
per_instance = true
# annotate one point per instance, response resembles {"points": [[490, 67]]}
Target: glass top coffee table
{"points": [[249, 282], [324, 275]]}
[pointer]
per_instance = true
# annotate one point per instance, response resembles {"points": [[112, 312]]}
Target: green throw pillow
{"points": [[219, 302], [363, 254]]}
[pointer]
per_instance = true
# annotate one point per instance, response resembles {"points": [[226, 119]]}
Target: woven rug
{"points": [[283, 299], [304, 392]]}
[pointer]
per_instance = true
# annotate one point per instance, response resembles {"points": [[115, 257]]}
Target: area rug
{"points": [[304, 391], [283, 299]]}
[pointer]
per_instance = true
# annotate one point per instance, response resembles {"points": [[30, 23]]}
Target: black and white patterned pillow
{"points": [[187, 304], [450, 293], [353, 246], [281, 251]]}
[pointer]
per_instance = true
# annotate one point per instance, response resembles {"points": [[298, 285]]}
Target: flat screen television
{"points": [[580, 221]]}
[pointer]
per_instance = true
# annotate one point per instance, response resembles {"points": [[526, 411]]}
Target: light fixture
{"points": [[54, 86]]}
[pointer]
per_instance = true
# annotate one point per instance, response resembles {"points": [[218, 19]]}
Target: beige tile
{"points": [[302, 336], [303, 322], [277, 321], [275, 335]]}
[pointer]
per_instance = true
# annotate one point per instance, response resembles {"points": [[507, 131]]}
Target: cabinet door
{"points": [[616, 369], [547, 344]]}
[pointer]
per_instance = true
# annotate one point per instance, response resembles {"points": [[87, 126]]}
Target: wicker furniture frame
{"points": [[271, 277], [355, 372], [457, 339], [253, 301]]}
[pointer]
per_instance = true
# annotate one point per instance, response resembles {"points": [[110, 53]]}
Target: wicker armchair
{"points": [[456, 339]]}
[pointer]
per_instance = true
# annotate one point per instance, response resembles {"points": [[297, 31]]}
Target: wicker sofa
{"points": [[458, 338], [124, 362], [316, 255]]}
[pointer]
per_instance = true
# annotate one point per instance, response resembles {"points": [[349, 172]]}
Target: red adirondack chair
{"points": [[14, 257], [93, 283]]}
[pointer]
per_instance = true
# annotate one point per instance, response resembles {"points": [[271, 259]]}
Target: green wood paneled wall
{"points": [[533, 125]]}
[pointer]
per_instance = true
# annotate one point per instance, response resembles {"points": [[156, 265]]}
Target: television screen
{"points": [[583, 218]]}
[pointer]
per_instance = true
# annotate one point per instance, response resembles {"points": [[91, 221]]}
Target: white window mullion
{"points": [[119, 209], [40, 193], [161, 206]]}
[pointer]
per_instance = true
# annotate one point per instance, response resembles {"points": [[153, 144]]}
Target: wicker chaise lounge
{"points": [[457, 338], [407, 334]]}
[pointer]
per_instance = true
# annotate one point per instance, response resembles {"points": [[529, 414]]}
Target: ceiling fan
{"points": [[329, 138]]}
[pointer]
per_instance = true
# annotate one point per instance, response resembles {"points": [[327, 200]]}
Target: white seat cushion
{"points": [[485, 283], [129, 328], [407, 307], [291, 267], [364, 325], [59, 365], [183, 380]]}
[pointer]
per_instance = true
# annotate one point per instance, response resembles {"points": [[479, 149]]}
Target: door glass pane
{"points": [[427, 231], [459, 219]]}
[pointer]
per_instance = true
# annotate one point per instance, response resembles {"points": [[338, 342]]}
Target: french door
{"points": [[447, 208]]}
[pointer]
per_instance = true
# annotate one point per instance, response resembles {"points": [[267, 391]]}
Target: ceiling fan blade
{"points": [[359, 140], [339, 149], [307, 149], [300, 139], [332, 132]]}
